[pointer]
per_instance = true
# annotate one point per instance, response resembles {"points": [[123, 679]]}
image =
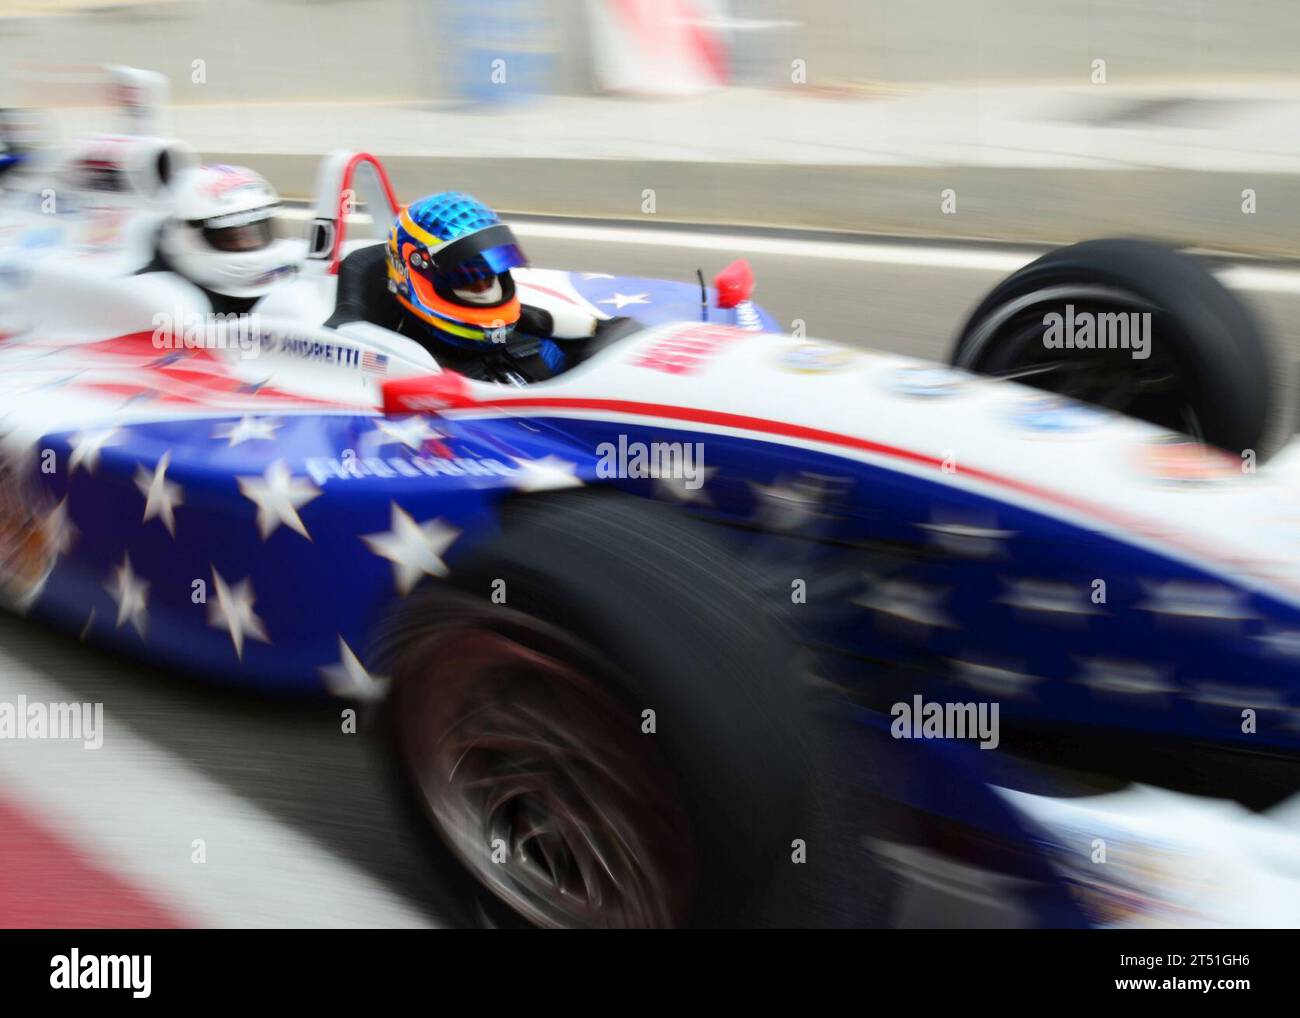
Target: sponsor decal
{"points": [[1054, 415], [916, 380], [323, 469], [688, 351], [32, 240], [747, 317], [816, 358], [375, 363], [311, 349], [229, 180], [1178, 460], [1148, 884], [103, 229], [243, 218], [279, 272], [319, 351]]}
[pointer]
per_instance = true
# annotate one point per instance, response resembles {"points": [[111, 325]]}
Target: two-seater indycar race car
{"points": [[642, 632]]}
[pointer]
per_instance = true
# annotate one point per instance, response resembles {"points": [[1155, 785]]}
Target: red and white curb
{"points": [[105, 838]]}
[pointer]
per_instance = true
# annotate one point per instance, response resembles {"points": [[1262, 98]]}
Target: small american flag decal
{"points": [[376, 363]]}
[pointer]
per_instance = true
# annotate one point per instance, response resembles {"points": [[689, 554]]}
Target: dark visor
{"points": [[495, 245], [246, 237]]}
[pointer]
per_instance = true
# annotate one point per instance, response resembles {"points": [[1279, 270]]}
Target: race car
{"points": [[641, 632]]}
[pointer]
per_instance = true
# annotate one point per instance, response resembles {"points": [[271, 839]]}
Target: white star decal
{"points": [[60, 530], [412, 432], [1126, 678], [787, 505], [677, 490], [1049, 597], [1285, 642], [161, 495], [993, 679], [415, 549], [248, 429], [86, 447], [131, 594], [622, 300], [546, 474], [349, 678], [278, 496], [967, 538], [233, 611], [1236, 697], [1188, 599], [906, 601]]}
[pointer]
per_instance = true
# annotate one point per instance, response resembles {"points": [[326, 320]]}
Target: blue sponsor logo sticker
{"points": [[816, 358], [926, 381], [33, 239], [1053, 415]]}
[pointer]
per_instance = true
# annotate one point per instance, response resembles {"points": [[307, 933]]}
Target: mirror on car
{"points": [[734, 284]]}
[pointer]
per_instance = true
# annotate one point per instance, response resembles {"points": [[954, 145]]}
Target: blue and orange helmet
{"points": [[449, 262]]}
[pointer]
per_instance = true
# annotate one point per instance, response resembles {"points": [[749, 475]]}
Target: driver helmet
{"points": [[449, 262], [219, 235]]}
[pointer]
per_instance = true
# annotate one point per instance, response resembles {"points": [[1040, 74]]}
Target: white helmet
{"points": [[219, 235]]}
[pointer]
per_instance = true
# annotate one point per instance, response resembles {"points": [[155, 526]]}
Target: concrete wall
{"points": [[261, 50], [997, 40], [274, 50]]}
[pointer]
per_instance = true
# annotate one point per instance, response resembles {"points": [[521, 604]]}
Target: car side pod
{"points": [[425, 394]]}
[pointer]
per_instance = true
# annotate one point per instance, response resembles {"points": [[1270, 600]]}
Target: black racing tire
{"points": [[1207, 351], [613, 606]]}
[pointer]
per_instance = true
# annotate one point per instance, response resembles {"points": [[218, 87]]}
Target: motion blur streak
{"points": [[136, 810]]}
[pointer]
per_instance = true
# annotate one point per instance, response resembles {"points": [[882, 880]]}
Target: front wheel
{"points": [[618, 744]]}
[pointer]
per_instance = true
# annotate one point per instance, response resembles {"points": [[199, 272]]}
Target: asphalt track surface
{"points": [[297, 828]]}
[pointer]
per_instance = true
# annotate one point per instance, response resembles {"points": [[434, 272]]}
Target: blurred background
{"points": [[422, 49], [1049, 119]]}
